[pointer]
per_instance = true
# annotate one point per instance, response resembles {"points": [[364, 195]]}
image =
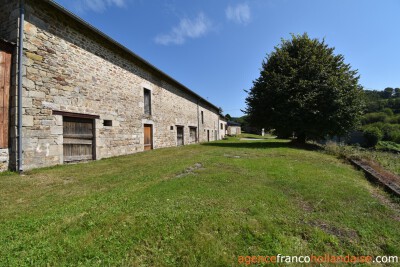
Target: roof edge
{"points": [[125, 49]]}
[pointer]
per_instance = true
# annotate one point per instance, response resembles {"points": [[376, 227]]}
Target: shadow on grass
{"points": [[262, 144]]}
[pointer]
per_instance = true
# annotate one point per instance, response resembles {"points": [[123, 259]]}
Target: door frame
{"points": [[183, 135], [196, 140], [151, 136], [76, 117], [80, 116]]}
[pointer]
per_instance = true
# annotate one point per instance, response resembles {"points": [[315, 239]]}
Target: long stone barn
{"points": [[79, 95]]}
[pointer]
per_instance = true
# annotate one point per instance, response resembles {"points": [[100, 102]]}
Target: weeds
{"points": [[388, 160]]}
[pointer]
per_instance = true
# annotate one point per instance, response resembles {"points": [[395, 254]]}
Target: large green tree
{"points": [[305, 88]]}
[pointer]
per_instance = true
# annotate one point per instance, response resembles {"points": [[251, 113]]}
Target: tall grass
{"points": [[388, 160]]}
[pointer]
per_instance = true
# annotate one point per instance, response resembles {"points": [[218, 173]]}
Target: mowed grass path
{"points": [[198, 205]]}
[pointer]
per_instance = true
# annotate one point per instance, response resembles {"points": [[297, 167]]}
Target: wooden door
{"points": [[193, 134], [179, 135], [78, 139], [208, 135], [148, 137], [5, 70]]}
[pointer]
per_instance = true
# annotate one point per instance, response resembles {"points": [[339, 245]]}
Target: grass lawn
{"points": [[198, 205]]}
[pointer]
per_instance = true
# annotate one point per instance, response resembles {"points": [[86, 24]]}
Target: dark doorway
{"points": [[193, 134], [180, 136], [208, 135]]}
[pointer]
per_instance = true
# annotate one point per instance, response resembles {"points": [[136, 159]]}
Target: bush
{"points": [[390, 131], [395, 119], [374, 117], [388, 111], [396, 138], [372, 136]]}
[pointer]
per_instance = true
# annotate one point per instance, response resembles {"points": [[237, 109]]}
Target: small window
{"points": [[222, 126], [202, 117], [107, 123], [171, 128], [147, 101]]}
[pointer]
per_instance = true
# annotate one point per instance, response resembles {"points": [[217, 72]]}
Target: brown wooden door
{"points": [[78, 139], [5, 69], [148, 137], [208, 135], [179, 135]]}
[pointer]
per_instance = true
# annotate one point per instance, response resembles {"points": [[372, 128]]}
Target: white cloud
{"points": [[187, 28], [240, 14], [97, 5]]}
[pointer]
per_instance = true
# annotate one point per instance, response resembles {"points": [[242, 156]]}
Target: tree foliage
{"points": [[372, 135], [382, 112], [304, 88]]}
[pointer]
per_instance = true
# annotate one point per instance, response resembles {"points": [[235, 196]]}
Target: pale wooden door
{"points": [[78, 139]]}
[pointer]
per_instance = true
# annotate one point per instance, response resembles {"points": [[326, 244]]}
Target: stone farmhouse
{"points": [[70, 93]]}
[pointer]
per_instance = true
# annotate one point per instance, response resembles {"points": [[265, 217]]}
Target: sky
{"points": [[216, 47]]}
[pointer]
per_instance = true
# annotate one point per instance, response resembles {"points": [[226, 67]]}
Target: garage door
{"points": [[78, 139]]}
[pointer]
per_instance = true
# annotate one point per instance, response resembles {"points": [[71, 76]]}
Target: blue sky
{"points": [[216, 47]]}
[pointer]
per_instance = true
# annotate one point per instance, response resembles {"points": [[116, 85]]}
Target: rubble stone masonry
{"points": [[69, 67]]}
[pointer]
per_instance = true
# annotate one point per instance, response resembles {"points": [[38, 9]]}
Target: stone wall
{"points": [[4, 156], [223, 128], [234, 130], [68, 67]]}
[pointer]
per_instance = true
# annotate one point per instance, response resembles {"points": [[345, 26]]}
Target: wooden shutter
{"points": [[5, 69], [147, 102]]}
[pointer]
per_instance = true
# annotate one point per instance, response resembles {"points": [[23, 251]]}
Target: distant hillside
{"points": [[381, 121]]}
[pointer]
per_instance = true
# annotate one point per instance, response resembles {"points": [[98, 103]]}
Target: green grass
{"points": [[198, 205], [388, 146], [388, 160], [256, 136]]}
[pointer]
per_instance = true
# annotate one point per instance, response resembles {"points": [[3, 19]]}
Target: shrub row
{"points": [[379, 131]]}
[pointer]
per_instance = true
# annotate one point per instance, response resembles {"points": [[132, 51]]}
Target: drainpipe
{"points": [[198, 122], [20, 52], [218, 128]]}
